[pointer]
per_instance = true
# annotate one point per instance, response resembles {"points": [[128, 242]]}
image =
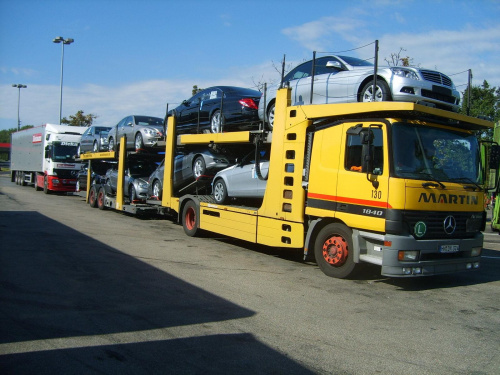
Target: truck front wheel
{"points": [[46, 185], [333, 250]]}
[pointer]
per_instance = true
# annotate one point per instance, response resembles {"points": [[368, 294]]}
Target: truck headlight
{"points": [[476, 251], [408, 255]]}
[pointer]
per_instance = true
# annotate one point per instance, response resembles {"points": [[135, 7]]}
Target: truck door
{"points": [[363, 180]]}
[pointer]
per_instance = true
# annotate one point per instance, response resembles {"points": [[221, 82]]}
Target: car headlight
{"points": [[149, 131], [143, 185], [405, 73], [104, 140]]}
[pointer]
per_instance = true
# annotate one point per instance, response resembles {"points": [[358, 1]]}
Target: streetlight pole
{"points": [[63, 41], [19, 87]]}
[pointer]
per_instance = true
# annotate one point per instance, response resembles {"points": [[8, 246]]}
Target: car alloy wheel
{"points": [[215, 122]]}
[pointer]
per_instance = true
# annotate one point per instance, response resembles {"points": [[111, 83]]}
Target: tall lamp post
{"points": [[19, 87], [63, 41]]}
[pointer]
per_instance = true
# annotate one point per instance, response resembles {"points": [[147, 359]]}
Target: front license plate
{"points": [[448, 248]]}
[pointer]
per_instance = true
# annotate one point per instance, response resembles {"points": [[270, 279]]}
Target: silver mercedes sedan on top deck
{"points": [[343, 79]]}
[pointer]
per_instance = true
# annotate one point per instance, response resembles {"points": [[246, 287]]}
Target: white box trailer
{"points": [[45, 156]]}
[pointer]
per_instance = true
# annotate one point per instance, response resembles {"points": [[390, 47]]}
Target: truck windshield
{"points": [[64, 152], [426, 153]]}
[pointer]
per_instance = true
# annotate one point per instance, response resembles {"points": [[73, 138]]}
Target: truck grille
{"points": [[65, 173], [467, 224], [436, 77]]}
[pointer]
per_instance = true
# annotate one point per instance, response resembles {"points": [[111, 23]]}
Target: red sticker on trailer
{"points": [[37, 138]]}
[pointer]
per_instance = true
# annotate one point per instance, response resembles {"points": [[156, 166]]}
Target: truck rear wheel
{"points": [[101, 195], [93, 197], [190, 219], [333, 250]]}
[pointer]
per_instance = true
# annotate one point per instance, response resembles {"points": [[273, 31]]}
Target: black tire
{"points": [[157, 189], [220, 191], [46, 185], [199, 167], [333, 250], [139, 142], [101, 195], [35, 184], [382, 94], [215, 122], [93, 197], [190, 219], [132, 194], [95, 147], [111, 144], [22, 180], [270, 117]]}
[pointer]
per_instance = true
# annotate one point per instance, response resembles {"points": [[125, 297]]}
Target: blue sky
{"points": [[134, 57]]}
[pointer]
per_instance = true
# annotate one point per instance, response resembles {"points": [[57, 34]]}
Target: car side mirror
{"points": [[334, 65]]}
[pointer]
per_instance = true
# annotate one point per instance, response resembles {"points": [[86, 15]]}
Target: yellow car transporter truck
{"points": [[395, 184]]}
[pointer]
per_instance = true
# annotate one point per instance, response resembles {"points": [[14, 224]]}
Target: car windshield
{"points": [[438, 154], [141, 169], [146, 120], [101, 130], [353, 61]]}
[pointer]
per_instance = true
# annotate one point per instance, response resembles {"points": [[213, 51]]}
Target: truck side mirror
{"points": [[366, 138]]}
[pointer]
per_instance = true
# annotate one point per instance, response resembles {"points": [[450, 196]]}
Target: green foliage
{"points": [[196, 89], [79, 119], [485, 101]]}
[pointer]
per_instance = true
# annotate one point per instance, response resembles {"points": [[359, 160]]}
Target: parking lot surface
{"points": [[85, 291]]}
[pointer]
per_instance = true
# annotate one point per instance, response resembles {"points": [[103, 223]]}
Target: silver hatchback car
{"points": [[241, 180], [342, 79], [141, 131]]}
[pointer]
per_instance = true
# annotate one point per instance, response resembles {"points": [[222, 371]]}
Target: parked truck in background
{"points": [[45, 156]]}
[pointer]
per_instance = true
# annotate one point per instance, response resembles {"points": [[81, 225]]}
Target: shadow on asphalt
{"points": [[56, 283]]}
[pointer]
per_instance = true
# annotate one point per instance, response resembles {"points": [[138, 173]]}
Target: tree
{"points": [[484, 101], [196, 90], [79, 119], [396, 59]]}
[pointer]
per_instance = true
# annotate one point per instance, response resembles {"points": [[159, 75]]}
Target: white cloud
{"points": [[318, 35], [451, 51], [40, 103]]}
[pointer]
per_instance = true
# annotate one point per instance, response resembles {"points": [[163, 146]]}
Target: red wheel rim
{"points": [[100, 198], [335, 250], [190, 218]]}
